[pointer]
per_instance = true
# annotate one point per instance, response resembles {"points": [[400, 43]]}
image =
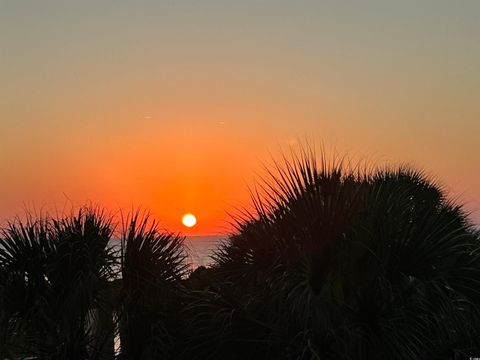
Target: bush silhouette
{"points": [[343, 264]]}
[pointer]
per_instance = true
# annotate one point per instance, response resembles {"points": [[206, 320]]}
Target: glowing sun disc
{"points": [[189, 220]]}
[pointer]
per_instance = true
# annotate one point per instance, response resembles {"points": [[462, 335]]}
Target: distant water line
{"points": [[199, 249]]}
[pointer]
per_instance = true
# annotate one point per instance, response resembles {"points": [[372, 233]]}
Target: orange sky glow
{"points": [[173, 107]]}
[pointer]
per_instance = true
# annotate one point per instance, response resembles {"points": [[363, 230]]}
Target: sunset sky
{"points": [[173, 105]]}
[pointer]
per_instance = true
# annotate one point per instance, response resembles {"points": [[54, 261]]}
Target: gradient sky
{"points": [[173, 105]]}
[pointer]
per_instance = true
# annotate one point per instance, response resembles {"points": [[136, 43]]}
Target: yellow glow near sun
{"points": [[189, 220]]}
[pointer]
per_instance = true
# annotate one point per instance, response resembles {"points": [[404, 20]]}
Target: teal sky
{"points": [[94, 92]]}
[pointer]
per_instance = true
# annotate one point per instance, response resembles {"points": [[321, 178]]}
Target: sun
{"points": [[189, 220]]}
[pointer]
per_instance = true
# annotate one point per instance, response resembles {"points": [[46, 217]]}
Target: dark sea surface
{"points": [[200, 248]]}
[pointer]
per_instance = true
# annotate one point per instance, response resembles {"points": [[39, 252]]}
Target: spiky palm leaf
{"points": [[356, 265], [82, 266], [52, 276], [153, 265], [24, 251]]}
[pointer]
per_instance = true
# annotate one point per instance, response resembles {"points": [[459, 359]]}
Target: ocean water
{"points": [[200, 249]]}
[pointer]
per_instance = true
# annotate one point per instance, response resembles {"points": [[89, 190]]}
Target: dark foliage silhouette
{"points": [[343, 264], [52, 276], [153, 265]]}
